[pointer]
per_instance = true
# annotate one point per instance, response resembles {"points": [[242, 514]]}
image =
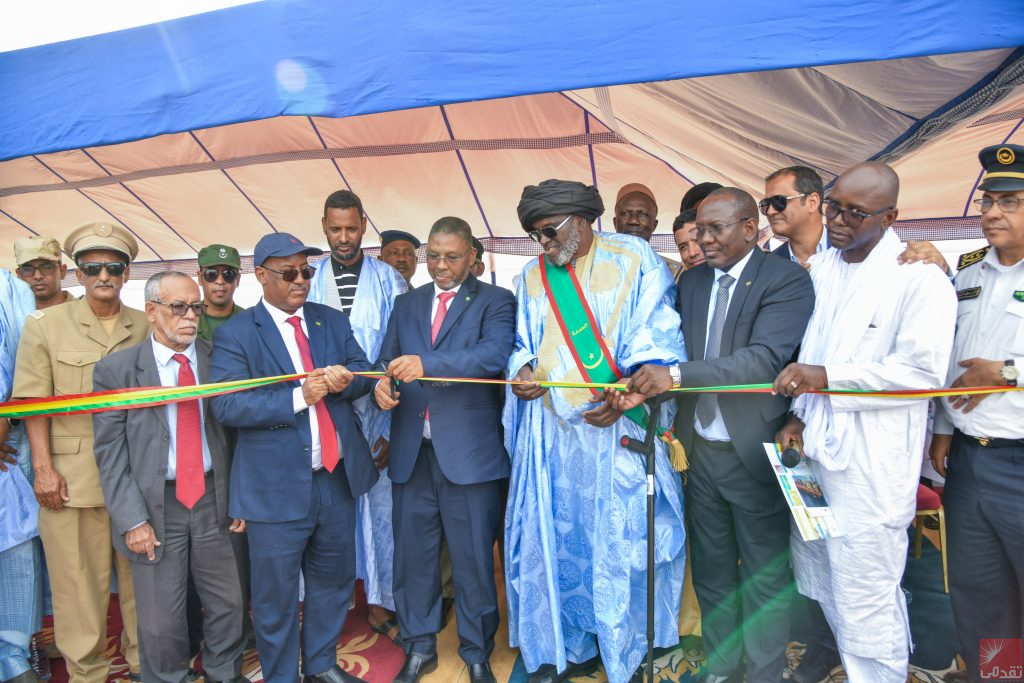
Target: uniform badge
{"points": [[37, 314], [969, 293], [1019, 295], [971, 257], [1005, 156]]}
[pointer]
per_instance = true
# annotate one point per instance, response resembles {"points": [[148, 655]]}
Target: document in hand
{"points": [[804, 496]]}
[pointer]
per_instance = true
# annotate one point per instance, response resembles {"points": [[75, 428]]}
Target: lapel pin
{"points": [[317, 323], [467, 298], [748, 284]]}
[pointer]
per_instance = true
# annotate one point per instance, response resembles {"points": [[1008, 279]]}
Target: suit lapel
{"points": [[742, 287], [317, 337], [699, 314], [426, 299], [458, 306], [268, 332], [203, 350], [146, 375]]}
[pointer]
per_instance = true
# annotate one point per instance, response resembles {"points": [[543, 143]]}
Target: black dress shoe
{"points": [[481, 673], [816, 665], [549, 674], [333, 675], [416, 665]]}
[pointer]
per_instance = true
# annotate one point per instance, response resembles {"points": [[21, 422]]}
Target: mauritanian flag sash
{"points": [[583, 337]]}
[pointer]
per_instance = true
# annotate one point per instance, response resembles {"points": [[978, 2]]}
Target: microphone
{"points": [[790, 457]]}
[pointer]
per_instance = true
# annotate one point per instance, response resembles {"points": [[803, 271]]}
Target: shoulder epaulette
{"points": [[971, 257], [37, 314]]}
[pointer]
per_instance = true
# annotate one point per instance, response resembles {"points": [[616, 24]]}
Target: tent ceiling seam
{"points": [[593, 166], [232, 181], [100, 206], [337, 168], [465, 171], [141, 201], [842, 85], [19, 223], [325, 152]]}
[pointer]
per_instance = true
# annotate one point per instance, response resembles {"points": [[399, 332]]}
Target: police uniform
{"points": [[59, 348], [985, 472]]}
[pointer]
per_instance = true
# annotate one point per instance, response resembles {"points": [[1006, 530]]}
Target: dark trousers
{"points": [[160, 595], [194, 608], [322, 546], [739, 549], [469, 516], [984, 501]]}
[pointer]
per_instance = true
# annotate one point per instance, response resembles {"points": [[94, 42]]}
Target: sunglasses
{"points": [[778, 202], [292, 274], [113, 268], [547, 231], [211, 274], [181, 310], [852, 217], [28, 270]]}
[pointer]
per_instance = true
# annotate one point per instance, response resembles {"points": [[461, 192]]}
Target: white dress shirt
{"points": [[167, 368], [298, 402], [716, 431], [433, 311]]}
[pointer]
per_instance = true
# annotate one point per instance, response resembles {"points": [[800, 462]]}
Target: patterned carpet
{"points": [[376, 659]]}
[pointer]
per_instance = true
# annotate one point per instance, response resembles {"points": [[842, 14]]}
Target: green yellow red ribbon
{"points": [[147, 397]]}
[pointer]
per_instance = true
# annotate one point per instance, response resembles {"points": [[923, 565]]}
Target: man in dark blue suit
{"points": [[448, 466], [300, 460]]}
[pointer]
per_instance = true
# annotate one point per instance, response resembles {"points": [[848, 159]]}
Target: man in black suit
{"points": [[447, 462], [743, 316]]}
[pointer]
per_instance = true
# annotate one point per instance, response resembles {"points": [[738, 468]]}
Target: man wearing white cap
{"points": [[59, 349]]}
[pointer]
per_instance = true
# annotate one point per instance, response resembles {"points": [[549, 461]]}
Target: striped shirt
{"points": [[347, 279]]}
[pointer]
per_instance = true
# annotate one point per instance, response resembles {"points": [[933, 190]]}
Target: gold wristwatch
{"points": [[677, 378]]}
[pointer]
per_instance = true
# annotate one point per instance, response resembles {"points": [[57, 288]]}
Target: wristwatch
{"points": [[1010, 372], [677, 378]]}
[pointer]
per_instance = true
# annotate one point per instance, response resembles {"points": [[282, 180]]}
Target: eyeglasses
{"points": [[292, 274], [852, 217], [777, 202], [547, 231], [1006, 203], [181, 310], [717, 230], [434, 258], [211, 274], [92, 268], [28, 270]]}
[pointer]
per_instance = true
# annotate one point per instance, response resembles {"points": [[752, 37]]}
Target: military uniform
{"points": [[59, 349], [985, 470]]}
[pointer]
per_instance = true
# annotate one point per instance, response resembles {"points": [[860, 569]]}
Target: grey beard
{"points": [[569, 247]]}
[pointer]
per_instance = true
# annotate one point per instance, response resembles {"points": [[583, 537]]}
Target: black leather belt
{"points": [[990, 442], [714, 445]]}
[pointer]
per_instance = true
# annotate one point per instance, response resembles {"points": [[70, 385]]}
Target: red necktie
{"points": [[188, 445], [328, 436], [442, 309]]}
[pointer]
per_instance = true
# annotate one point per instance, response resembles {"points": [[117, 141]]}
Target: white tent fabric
{"points": [[233, 183]]}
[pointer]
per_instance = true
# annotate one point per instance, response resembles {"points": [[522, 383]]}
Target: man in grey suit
{"points": [[743, 316], [164, 472]]}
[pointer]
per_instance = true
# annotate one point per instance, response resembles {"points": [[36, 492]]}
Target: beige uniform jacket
{"points": [[59, 348]]}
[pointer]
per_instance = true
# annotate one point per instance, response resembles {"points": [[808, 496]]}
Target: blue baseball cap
{"points": [[281, 244]]}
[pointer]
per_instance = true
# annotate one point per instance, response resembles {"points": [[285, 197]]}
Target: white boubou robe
{"points": [[379, 285], [877, 325]]}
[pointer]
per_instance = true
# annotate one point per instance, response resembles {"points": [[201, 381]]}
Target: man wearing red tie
{"points": [[164, 474], [300, 460]]}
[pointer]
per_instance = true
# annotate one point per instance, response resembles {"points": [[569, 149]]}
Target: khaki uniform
{"points": [[58, 350]]}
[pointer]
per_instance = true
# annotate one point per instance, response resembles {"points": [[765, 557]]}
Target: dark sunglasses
{"points": [[852, 217], [28, 270], [211, 274], [181, 310], [292, 274], [778, 202], [547, 231], [92, 269]]}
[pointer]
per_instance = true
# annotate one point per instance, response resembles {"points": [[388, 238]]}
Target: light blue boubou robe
{"points": [[379, 284], [576, 524]]}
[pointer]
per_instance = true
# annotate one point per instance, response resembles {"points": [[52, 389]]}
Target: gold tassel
{"points": [[676, 453]]}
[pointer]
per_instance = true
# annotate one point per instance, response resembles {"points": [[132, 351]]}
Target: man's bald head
{"points": [[860, 208], [741, 200], [727, 227], [871, 179]]}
